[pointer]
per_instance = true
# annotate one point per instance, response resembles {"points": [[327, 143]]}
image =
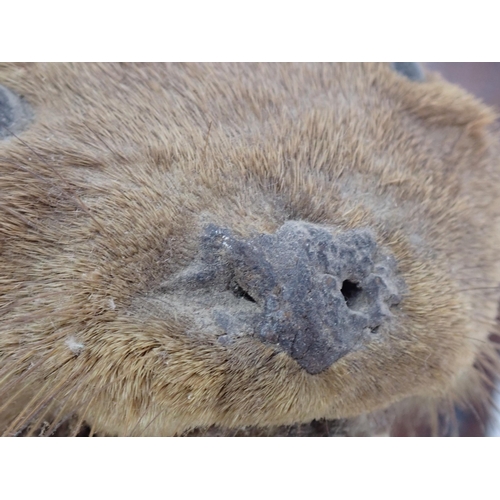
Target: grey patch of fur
{"points": [[15, 114], [412, 70]]}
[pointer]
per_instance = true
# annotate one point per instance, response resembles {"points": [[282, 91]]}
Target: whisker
{"points": [[153, 420], [71, 392], [16, 381], [497, 288], [35, 425], [21, 420], [30, 409], [132, 432]]}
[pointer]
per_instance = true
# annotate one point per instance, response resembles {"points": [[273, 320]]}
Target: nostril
{"points": [[351, 292], [241, 294]]}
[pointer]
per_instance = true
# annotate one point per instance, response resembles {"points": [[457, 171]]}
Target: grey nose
{"points": [[316, 294], [311, 291]]}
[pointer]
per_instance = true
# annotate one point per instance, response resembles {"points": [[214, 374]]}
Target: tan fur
{"points": [[104, 195]]}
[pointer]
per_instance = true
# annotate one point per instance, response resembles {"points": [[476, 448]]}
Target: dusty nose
{"points": [[318, 294]]}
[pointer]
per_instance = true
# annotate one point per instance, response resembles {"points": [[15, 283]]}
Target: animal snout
{"points": [[308, 290]]}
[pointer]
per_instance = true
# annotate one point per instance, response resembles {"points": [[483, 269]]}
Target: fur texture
{"points": [[104, 196]]}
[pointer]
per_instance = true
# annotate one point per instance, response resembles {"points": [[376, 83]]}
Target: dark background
{"points": [[481, 79]]}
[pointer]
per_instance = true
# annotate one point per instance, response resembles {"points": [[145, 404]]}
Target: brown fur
{"points": [[103, 198]]}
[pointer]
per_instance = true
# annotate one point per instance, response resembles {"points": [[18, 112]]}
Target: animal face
{"points": [[187, 246]]}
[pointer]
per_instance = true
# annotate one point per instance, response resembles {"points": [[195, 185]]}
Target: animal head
{"points": [[186, 246]]}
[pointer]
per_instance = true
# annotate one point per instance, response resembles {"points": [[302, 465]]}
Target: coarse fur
{"points": [[104, 197]]}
